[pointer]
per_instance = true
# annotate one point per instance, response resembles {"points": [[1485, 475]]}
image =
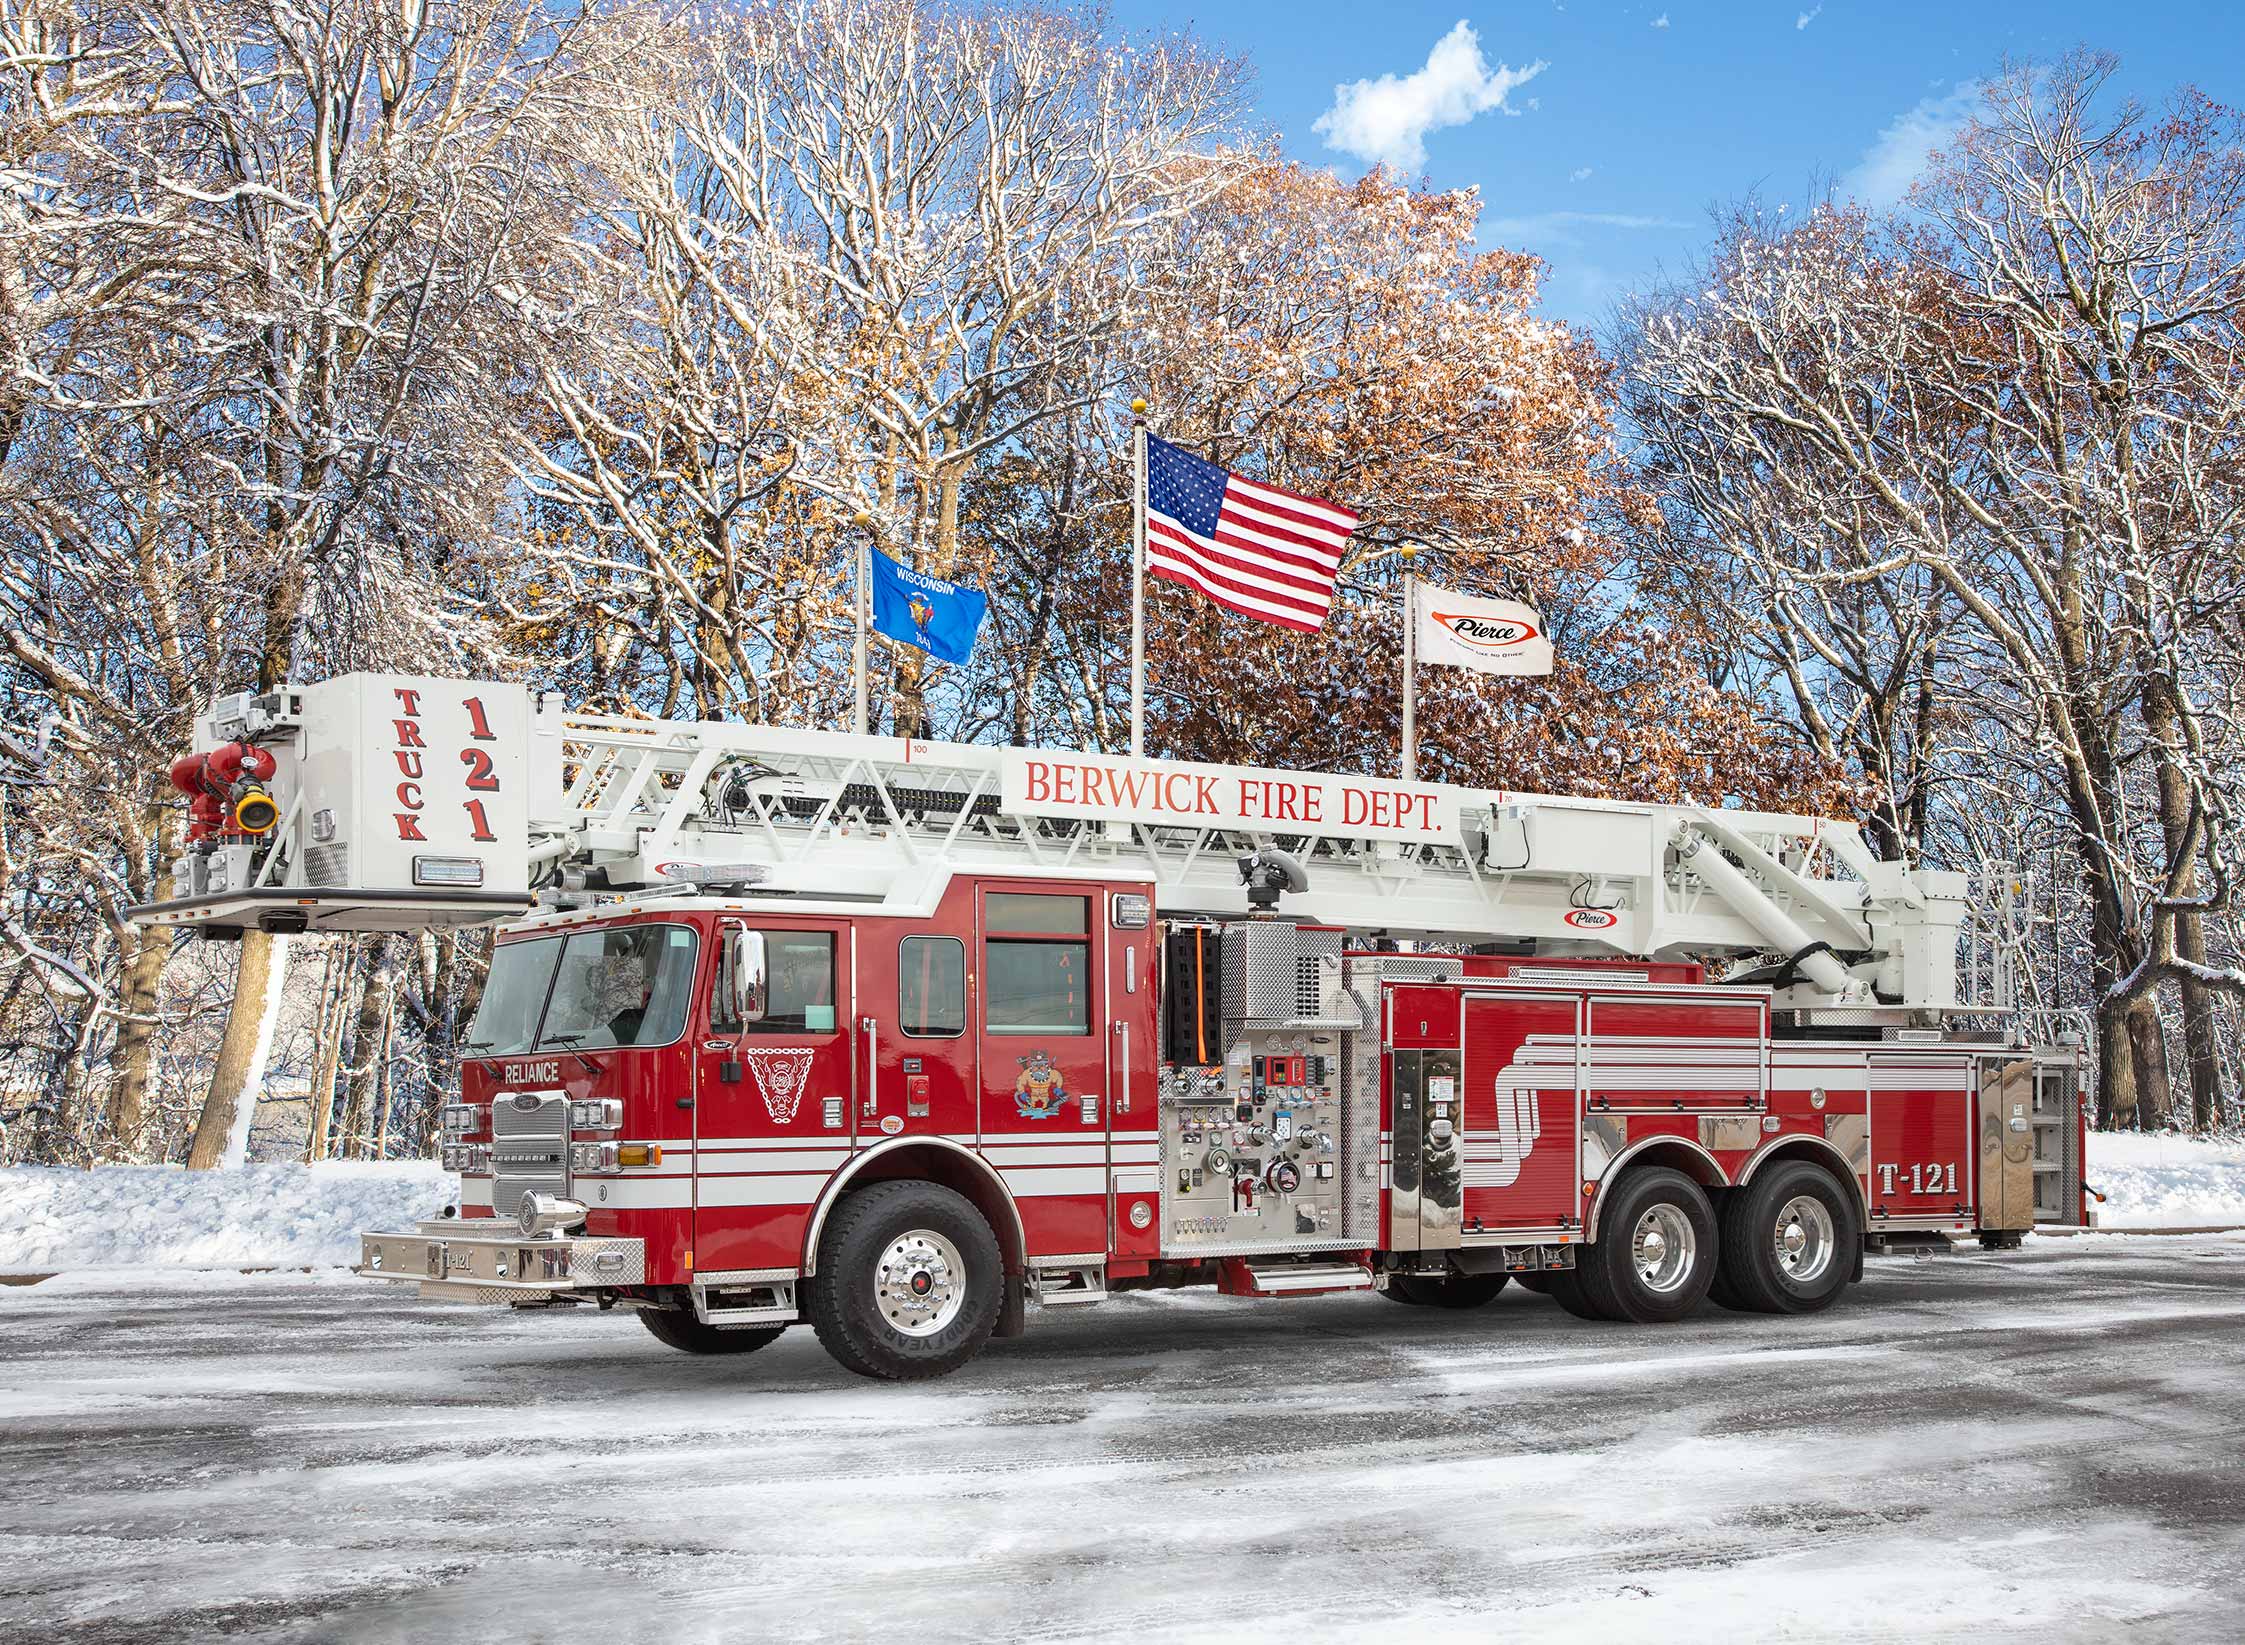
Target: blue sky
{"points": [[1606, 159]]}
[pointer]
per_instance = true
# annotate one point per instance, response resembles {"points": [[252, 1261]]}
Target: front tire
{"points": [[679, 1328], [909, 1282], [1445, 1291], [1789, 1240], [1656, 1251]]}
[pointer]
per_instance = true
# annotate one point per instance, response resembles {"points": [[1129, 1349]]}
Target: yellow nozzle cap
{"points": [[255, 812]]}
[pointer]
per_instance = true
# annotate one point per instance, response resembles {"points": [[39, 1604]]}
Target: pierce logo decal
{"points": [[1491, 637], [1592, 919]]}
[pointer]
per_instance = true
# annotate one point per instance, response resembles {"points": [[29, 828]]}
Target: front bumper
{"points": [[459, 1262]]}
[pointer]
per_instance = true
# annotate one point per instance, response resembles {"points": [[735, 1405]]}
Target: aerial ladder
{"points": [[376, 802]]}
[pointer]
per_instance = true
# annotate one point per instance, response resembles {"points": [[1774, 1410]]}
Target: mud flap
{"points": [[1013, 1312]]}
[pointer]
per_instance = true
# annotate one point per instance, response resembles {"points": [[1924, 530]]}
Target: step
{"points": [[1069, 1285], [1285, 1279]]}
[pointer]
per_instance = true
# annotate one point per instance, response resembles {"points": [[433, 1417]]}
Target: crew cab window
{"points": [[931, 987], [626, 986], [799, 987], [1036, 964], [514, 995]]}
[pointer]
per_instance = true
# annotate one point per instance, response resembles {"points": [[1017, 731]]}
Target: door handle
{"points": [[1118, 1101], [872, 1034]]}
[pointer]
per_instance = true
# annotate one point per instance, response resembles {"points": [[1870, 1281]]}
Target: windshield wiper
{"points": [[569, 1043]]}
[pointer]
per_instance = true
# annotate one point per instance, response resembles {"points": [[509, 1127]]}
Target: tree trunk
{"points": [[327, 1045], [133, 1058], [2116, 1068], [382, 1092], [367, 1051], [2147, 1044], [239, 1073], [2201, 1047]]}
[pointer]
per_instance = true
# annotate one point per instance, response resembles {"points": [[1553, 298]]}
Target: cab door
{"points": [[1042, 1051], [775, 1098]]}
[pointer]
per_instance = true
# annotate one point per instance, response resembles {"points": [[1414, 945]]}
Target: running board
{"points": [[1068, 1284], [1248, 1279], [769, 1303]]}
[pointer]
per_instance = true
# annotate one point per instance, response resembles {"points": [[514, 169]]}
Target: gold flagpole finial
{"points": [[1138, 408]]}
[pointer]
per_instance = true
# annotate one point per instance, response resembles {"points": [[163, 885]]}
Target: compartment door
{"points": [[1522, 1111], [1924, 1142]]}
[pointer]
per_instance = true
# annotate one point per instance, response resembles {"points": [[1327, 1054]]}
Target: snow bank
{"points": [[2167, 1180], [252, 1217], [290, 1216]]}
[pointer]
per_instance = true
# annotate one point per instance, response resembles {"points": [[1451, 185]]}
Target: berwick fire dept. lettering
{"points": [[1309, 801]]}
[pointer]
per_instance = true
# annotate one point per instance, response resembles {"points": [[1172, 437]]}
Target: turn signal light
{"points": [[640, 1153], [255, 812]]}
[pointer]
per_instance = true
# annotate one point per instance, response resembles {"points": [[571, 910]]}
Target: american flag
{"points": [[1251, 548]]}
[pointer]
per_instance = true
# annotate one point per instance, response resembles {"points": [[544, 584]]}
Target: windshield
{"points": [[597, 989], [513, 995], [629, 986]]}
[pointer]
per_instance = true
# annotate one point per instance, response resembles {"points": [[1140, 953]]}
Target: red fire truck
{"points": [[898, 1037]]}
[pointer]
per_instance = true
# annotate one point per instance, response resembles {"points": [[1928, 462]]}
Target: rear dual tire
{"points": [[1656, 1253], [1789, 1241]]}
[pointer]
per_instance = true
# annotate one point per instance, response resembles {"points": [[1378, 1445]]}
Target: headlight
{"points": [[473, 1158], [592, 1156], [462, 1117], [600, 1114]]}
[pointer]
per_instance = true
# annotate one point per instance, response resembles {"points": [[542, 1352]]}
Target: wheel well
{"points": [[1677, 1153], [944, 1163], [1817, 1152]]}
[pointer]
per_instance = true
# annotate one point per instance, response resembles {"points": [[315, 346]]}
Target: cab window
{"points": [[513, 996], [799, 972], [1036, 964], [626, 986], [931, 987]]}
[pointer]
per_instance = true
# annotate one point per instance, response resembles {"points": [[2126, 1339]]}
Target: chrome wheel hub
{"points": [[1665, 1248], [920, 1283], [1805, 1240]]}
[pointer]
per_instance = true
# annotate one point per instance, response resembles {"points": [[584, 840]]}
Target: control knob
{"points": [[1283, 1177]]}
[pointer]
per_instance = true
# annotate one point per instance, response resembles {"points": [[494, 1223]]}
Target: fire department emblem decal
{"points": [[1040, 1093], [781, 1074]]}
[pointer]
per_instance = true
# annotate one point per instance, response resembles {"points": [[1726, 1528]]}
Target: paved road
{"points": [[2045, 1445]]}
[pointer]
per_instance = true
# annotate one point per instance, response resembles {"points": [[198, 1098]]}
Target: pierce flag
{"points": [[1493, 636]]}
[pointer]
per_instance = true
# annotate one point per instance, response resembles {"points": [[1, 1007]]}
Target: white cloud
{"points": [[1581, 174], [1661, 21], [1890, 165], [1808, 17], [1561, 229], [1386, 120]]}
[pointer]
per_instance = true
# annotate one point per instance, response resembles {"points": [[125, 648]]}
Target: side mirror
{"points": [[743, 988]]}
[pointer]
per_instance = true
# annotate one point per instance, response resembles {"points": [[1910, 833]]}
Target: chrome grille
{"points": [[529, 1148]]}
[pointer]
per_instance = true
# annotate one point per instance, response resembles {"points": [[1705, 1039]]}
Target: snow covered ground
{"points": [[2171, 1181], [2036, 1445], [251, 1217]]}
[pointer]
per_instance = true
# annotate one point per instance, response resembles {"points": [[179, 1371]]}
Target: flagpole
{"points": [[1137, 579], [863, 570], [1410, 552]]}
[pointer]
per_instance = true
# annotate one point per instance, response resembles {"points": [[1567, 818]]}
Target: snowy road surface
{"points": [[2045, 1445]]}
